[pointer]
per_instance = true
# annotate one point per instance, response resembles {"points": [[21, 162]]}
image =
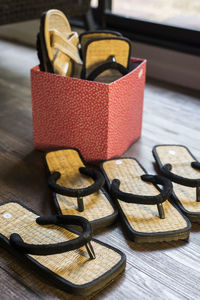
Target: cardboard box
{"points": [[101, 120]]}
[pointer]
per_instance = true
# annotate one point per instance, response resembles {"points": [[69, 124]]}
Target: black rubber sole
{"points": [[45, 63]]}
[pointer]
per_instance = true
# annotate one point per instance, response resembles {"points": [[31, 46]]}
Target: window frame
{"points": [[154, 33]]}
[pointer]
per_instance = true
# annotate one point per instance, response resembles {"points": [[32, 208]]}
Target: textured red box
{"points": [[101, 120]]}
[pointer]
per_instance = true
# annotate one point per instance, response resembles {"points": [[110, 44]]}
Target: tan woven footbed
{"points": [[68, 162], [74, 266], [86, 37], [181, 159], [142, 218], [57, 20], [99, 51]]}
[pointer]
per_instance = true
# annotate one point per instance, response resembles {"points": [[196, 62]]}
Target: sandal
{"points": [[72, 262], [78, 190], [177, 163], [147, 213], [57, 45], [108, 53]]}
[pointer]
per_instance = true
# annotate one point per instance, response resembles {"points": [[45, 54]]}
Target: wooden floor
{"points": [[157, 271]]}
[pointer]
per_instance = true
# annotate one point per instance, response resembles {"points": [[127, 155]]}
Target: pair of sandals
{"points": [[102, 54], [75, 262]]}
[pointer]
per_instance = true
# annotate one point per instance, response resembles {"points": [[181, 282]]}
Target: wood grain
{"points": [[157, 271]]}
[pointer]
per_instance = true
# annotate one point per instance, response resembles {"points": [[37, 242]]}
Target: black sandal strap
{"points": [[107, 66], [139, 199], [166, 171], [47, 249], [90, 172], [195, 165]]}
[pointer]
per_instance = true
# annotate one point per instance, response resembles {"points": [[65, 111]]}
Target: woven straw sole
{"points": [[180, 158], [98, 51], [72, 271], [97, 206], [142, 222], [87, 36]]}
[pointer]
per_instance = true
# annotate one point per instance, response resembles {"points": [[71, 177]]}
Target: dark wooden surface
{"points": [[156, 271]]}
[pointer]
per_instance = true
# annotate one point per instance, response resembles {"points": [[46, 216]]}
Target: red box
{"points": [[101, 120]]}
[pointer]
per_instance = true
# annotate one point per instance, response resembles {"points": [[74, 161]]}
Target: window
{"points": [[174, 24], [184, 13]]}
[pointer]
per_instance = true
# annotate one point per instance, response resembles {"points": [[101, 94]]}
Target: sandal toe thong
{"points": [[147, 212], [178, 164], [70, 261], [103, 55], [78, 190]]}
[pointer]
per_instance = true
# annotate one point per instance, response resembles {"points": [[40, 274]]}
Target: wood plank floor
{"points": [[156, 271]]}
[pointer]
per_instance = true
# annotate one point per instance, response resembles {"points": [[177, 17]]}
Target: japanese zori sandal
{"points": [[73, 262], [57, 45], [147, 213], [178, 164], [78, 190], [107, 57]]}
